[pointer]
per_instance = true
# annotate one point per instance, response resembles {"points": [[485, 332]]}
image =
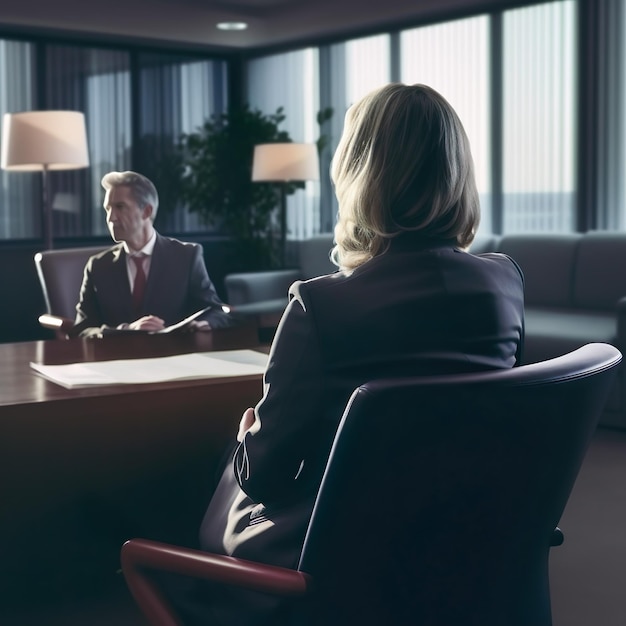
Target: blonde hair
{"points": [[403, 164]]}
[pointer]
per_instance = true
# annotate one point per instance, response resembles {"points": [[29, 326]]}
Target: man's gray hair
{"points": [[141, 188]]}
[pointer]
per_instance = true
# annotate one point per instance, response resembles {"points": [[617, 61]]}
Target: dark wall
{"points": [[23, 303]]}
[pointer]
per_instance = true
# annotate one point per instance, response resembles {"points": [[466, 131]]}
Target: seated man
{"points": [[147, 281]]}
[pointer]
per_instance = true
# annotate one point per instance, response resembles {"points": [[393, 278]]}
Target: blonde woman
{"points": [[407, 300]]}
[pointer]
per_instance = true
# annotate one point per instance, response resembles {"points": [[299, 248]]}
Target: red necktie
{"points": [[139, 286]]}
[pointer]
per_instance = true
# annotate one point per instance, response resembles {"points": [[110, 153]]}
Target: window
{"points": [[511, 76], [607, 170], [20, 193], [291, 81], [136, 106], [355, 68], [453, 58], [367, 67], [102, 91], [539, 134], [177, 95]]}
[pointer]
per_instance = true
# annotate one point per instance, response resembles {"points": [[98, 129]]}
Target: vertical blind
{"points": [[516, 94], [95, 81], [291, 81], [535, 130], [539, 134], [176, 96], [610, 168], [357, 67], [136, 107], [20, 193], [453, 58]]}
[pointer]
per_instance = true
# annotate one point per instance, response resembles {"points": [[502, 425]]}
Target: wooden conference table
{"points": [[61, 446]]}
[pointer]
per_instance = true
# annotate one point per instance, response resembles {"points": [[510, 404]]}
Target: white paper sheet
{"points": [[155, 370]]}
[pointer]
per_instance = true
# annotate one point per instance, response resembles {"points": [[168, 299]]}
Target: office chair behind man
{"points": [[60, 275]]}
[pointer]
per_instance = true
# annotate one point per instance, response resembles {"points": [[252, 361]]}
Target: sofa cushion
{"points": [[600, 277], [547, 261], [553, 332], [245, 287], [314, 256], [263, 307]]}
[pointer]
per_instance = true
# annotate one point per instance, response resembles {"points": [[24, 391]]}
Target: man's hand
{"points": [[199, 326], [148, 323]]}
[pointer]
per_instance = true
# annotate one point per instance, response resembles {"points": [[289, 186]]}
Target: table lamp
{"points": [[44, 141], [284, 163]]}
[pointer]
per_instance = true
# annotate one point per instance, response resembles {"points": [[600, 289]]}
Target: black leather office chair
{"points": [[61, 275], [438, 506]]}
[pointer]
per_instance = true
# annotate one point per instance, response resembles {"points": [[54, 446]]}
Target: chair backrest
{"points": [[61, 275], [441, 494]]}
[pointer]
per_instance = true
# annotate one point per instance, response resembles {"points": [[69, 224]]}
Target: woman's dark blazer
{"points": [[421, 307]]}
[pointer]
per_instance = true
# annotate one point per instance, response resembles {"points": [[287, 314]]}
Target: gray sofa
{"points": [[575, 293], [262, 296]]}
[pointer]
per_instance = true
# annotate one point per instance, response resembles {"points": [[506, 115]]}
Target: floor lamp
{"points": [[44, 141], [284, 163]]}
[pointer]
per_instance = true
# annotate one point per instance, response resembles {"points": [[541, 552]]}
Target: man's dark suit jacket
{"points": [[422, 307], [178, 285]]}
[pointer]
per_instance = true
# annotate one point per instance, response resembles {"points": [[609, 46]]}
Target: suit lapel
{"points": [[120, 282], [119, 273], [157, 270]]}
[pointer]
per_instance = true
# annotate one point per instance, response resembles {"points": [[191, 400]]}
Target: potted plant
{"points": [[217, 182]]}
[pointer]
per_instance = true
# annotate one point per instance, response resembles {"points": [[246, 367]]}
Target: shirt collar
{"points": [[146, 250]]}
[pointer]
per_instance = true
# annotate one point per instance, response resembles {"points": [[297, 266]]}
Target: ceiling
{"points": [[193, 22]]}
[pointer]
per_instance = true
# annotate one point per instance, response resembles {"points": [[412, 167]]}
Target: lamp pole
{"points": [[46, 216], [283, 224], [285, 163]]}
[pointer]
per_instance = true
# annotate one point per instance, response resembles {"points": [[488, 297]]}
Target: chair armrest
{"points": [[147, 554], [63, 326], [139, 556], [246, 287]]}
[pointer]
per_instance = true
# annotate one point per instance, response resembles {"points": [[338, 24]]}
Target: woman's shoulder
{"points": [[498, 259], [325, 279], [318, 283]]}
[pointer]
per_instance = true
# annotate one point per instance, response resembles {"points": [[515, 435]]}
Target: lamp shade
{"points": [[285, 161], [38, 140]]}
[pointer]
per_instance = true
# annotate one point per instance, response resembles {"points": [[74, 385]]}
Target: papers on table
{"points": [[168, 329], [155, 370], [183, 323]]}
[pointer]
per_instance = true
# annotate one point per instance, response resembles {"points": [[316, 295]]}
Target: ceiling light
{"points": [[232, 25]]}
